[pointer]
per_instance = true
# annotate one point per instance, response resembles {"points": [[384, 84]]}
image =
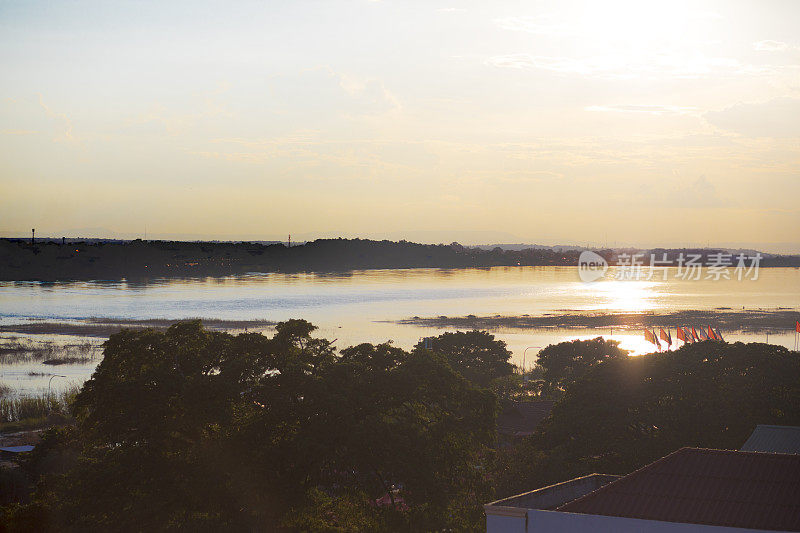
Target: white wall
{"points": [[505, 524]]}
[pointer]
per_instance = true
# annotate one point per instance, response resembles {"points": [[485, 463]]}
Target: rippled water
{"points": [[360, 306]]}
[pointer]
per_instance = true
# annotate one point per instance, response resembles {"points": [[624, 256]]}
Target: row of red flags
{"points": [[685, 334], [689, 335]]}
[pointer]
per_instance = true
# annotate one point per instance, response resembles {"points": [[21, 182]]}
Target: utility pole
{"points": [[33, 232], [290, 240], [523, 359]]}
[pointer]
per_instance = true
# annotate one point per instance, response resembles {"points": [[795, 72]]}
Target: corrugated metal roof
{"points": [[773, 439], [699, 486]]}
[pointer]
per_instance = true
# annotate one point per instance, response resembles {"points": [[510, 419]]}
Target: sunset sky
{"points": [[628, 123]]}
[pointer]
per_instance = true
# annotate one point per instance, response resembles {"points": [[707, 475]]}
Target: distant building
{"points": [[690, 490], [773, 439]]}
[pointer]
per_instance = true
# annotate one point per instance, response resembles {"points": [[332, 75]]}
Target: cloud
{"points": [[18, 132], [650, 109], [511, 176], [775, 118], [540, 25], [646, 15], [567, 65], [203, 105], [699, 194], [451, 10], [657, 66], [66, 135], [371, 92], [773, 46]]}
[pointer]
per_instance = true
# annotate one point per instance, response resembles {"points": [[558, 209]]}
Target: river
{"points": [[363, 306]]}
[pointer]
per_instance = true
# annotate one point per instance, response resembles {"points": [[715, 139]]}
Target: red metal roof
{"points": [[699, 486]]}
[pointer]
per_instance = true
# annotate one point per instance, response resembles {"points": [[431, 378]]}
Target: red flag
{"points": [[649, 337], [694, 335], [666, 337], [711, 334], [797, 326], [679, 334]]}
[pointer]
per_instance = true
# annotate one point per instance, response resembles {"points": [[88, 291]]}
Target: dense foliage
{"points": [[475, 354], [560, 365], [628, 411], [52, 260], [199, 430], [113, 259], [188, 429]]}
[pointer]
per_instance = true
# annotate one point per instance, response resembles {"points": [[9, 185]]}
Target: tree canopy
{"points": [[192, 429], [562, 364], [189, 429], [625, 412], [476, 355]]}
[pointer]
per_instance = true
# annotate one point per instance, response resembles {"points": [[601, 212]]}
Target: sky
{"points": [[617, 122]]}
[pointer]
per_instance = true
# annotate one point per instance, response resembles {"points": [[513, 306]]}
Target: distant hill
{"points": [[51, 260], [521, 246]]}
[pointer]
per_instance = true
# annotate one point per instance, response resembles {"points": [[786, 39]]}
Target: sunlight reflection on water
{"points": [[360, 306]]}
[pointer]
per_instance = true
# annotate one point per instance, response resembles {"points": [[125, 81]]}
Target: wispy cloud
{"points": [[18, 132], [370, 89], [66, 135], [546, 24], [650, 109], [774, 118], [774, 46], [203, 105], [658, 66]]}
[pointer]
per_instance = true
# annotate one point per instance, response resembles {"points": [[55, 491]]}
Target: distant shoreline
{"points": [[753, 320], [54, 260], [104, 327], [769, 320]]}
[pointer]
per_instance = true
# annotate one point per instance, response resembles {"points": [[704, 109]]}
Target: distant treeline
{"points": [[59, 260], [19, 260]]}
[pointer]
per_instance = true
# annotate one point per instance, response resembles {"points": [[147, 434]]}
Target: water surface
{"points": [[361, 306]]}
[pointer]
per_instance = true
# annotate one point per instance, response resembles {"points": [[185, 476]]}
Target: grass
{"points": [[13, 351], [25, 412], [103, 327]]}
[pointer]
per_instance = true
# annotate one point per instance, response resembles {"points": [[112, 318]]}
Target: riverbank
{"points": [[105, 327], [749, 320], [138, 261]]}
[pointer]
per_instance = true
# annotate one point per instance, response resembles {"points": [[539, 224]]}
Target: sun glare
{"points": [[636, 24], [628, 39], [628, 295]]}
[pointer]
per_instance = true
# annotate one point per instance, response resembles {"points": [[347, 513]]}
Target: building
{"points": [[773, 439], [692, 489]]}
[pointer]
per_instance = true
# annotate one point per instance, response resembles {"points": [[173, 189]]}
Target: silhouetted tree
{"points": [[476, 355], [625, 412], [562, 364], [197, 430]]}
